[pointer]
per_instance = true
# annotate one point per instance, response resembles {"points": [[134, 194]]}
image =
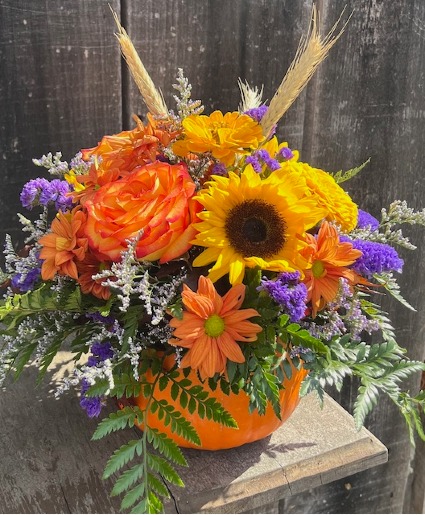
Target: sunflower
{"points": [[250, 222], [330, 258], [222, 135], [211, 327], [341, 209]]}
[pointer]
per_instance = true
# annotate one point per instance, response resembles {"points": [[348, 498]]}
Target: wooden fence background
{"points": [[63, 85]]}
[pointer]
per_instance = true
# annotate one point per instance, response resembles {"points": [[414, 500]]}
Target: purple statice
{"points": [[376, 258], [30, 194], [219, 169], [101, 351], [284, 154], [289, 292], [42, 192], [26, 282], [257, 113], [57, 192], [260, 158], [92, 405], [366, 220]]}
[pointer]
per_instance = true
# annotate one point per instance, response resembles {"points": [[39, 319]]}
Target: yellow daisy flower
{"points": [[222, 135], [341, 209], [250, 222]]}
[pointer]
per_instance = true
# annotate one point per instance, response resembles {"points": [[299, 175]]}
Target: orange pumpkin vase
{"points": [[214, 436]]}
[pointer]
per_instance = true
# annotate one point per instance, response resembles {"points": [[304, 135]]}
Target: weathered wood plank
{"points": [[60, 87], [49, 464], [297, 457]]}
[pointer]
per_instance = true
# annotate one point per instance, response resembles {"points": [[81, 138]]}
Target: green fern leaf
{"points": [[165, 446], [341, 176], [154, 504], [158, 486], [122, 456], [116, 421], [127, 479], [163, 467], [132, 496], [367, 399], [98, 389], [177, 422]]}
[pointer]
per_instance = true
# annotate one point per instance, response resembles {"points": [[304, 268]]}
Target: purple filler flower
{"points": [[365, 220], [287, 291], [257, 113], [285, 153], [92, 405], [100, 352], [26, 282], [219, 169], [260, 158], [56, 192], [31, 191], [377, 258], [42, 192]]}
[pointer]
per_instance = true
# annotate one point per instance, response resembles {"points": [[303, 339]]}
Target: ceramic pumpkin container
{"points": [[214, 436]]}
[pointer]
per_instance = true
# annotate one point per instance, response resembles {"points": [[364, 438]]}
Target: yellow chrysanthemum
{"points": [[250, 222], [222, 135], [340, 208]]}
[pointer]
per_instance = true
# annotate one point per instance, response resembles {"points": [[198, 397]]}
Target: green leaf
{"points": [[341, 176], [132, 496], [177, 422], [122, 456], [390, 284], [116, 421], [174, 391], [161, 466], [166, 446], [98, 389], [158, 486], [163, 382], [367, 398], [127, 479]]}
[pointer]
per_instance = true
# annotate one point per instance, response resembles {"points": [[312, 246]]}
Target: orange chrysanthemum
{"points": [[211, 326], [64, 245], [86, 269], [329, 259], [118, 155]]}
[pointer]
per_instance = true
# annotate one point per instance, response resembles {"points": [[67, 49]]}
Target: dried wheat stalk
{"points": [[311, 51], [151, 96]]}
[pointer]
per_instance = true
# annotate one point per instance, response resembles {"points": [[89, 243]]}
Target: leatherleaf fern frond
{"points": [[145, 465], [380, 368]]}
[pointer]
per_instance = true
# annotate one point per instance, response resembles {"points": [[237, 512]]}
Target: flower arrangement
{"points": [[197, 254]]}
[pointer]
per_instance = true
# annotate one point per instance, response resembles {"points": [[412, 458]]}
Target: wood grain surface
{"points": [[63, 85], [50, 465]]}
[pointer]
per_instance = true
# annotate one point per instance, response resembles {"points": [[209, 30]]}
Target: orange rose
{"points": [[155, 199]]}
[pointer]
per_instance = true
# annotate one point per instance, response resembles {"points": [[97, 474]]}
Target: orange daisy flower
{"points": [[86, 269], [211, 326], [64, 245], [329, 260]]}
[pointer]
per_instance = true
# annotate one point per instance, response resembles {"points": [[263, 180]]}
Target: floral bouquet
{"points": [[203, 275]]}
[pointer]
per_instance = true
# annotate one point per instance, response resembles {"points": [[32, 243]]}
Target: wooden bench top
{"points": [[49, 465]]}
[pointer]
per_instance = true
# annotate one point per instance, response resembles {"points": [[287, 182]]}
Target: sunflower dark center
{"points": [[255, 228]]}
